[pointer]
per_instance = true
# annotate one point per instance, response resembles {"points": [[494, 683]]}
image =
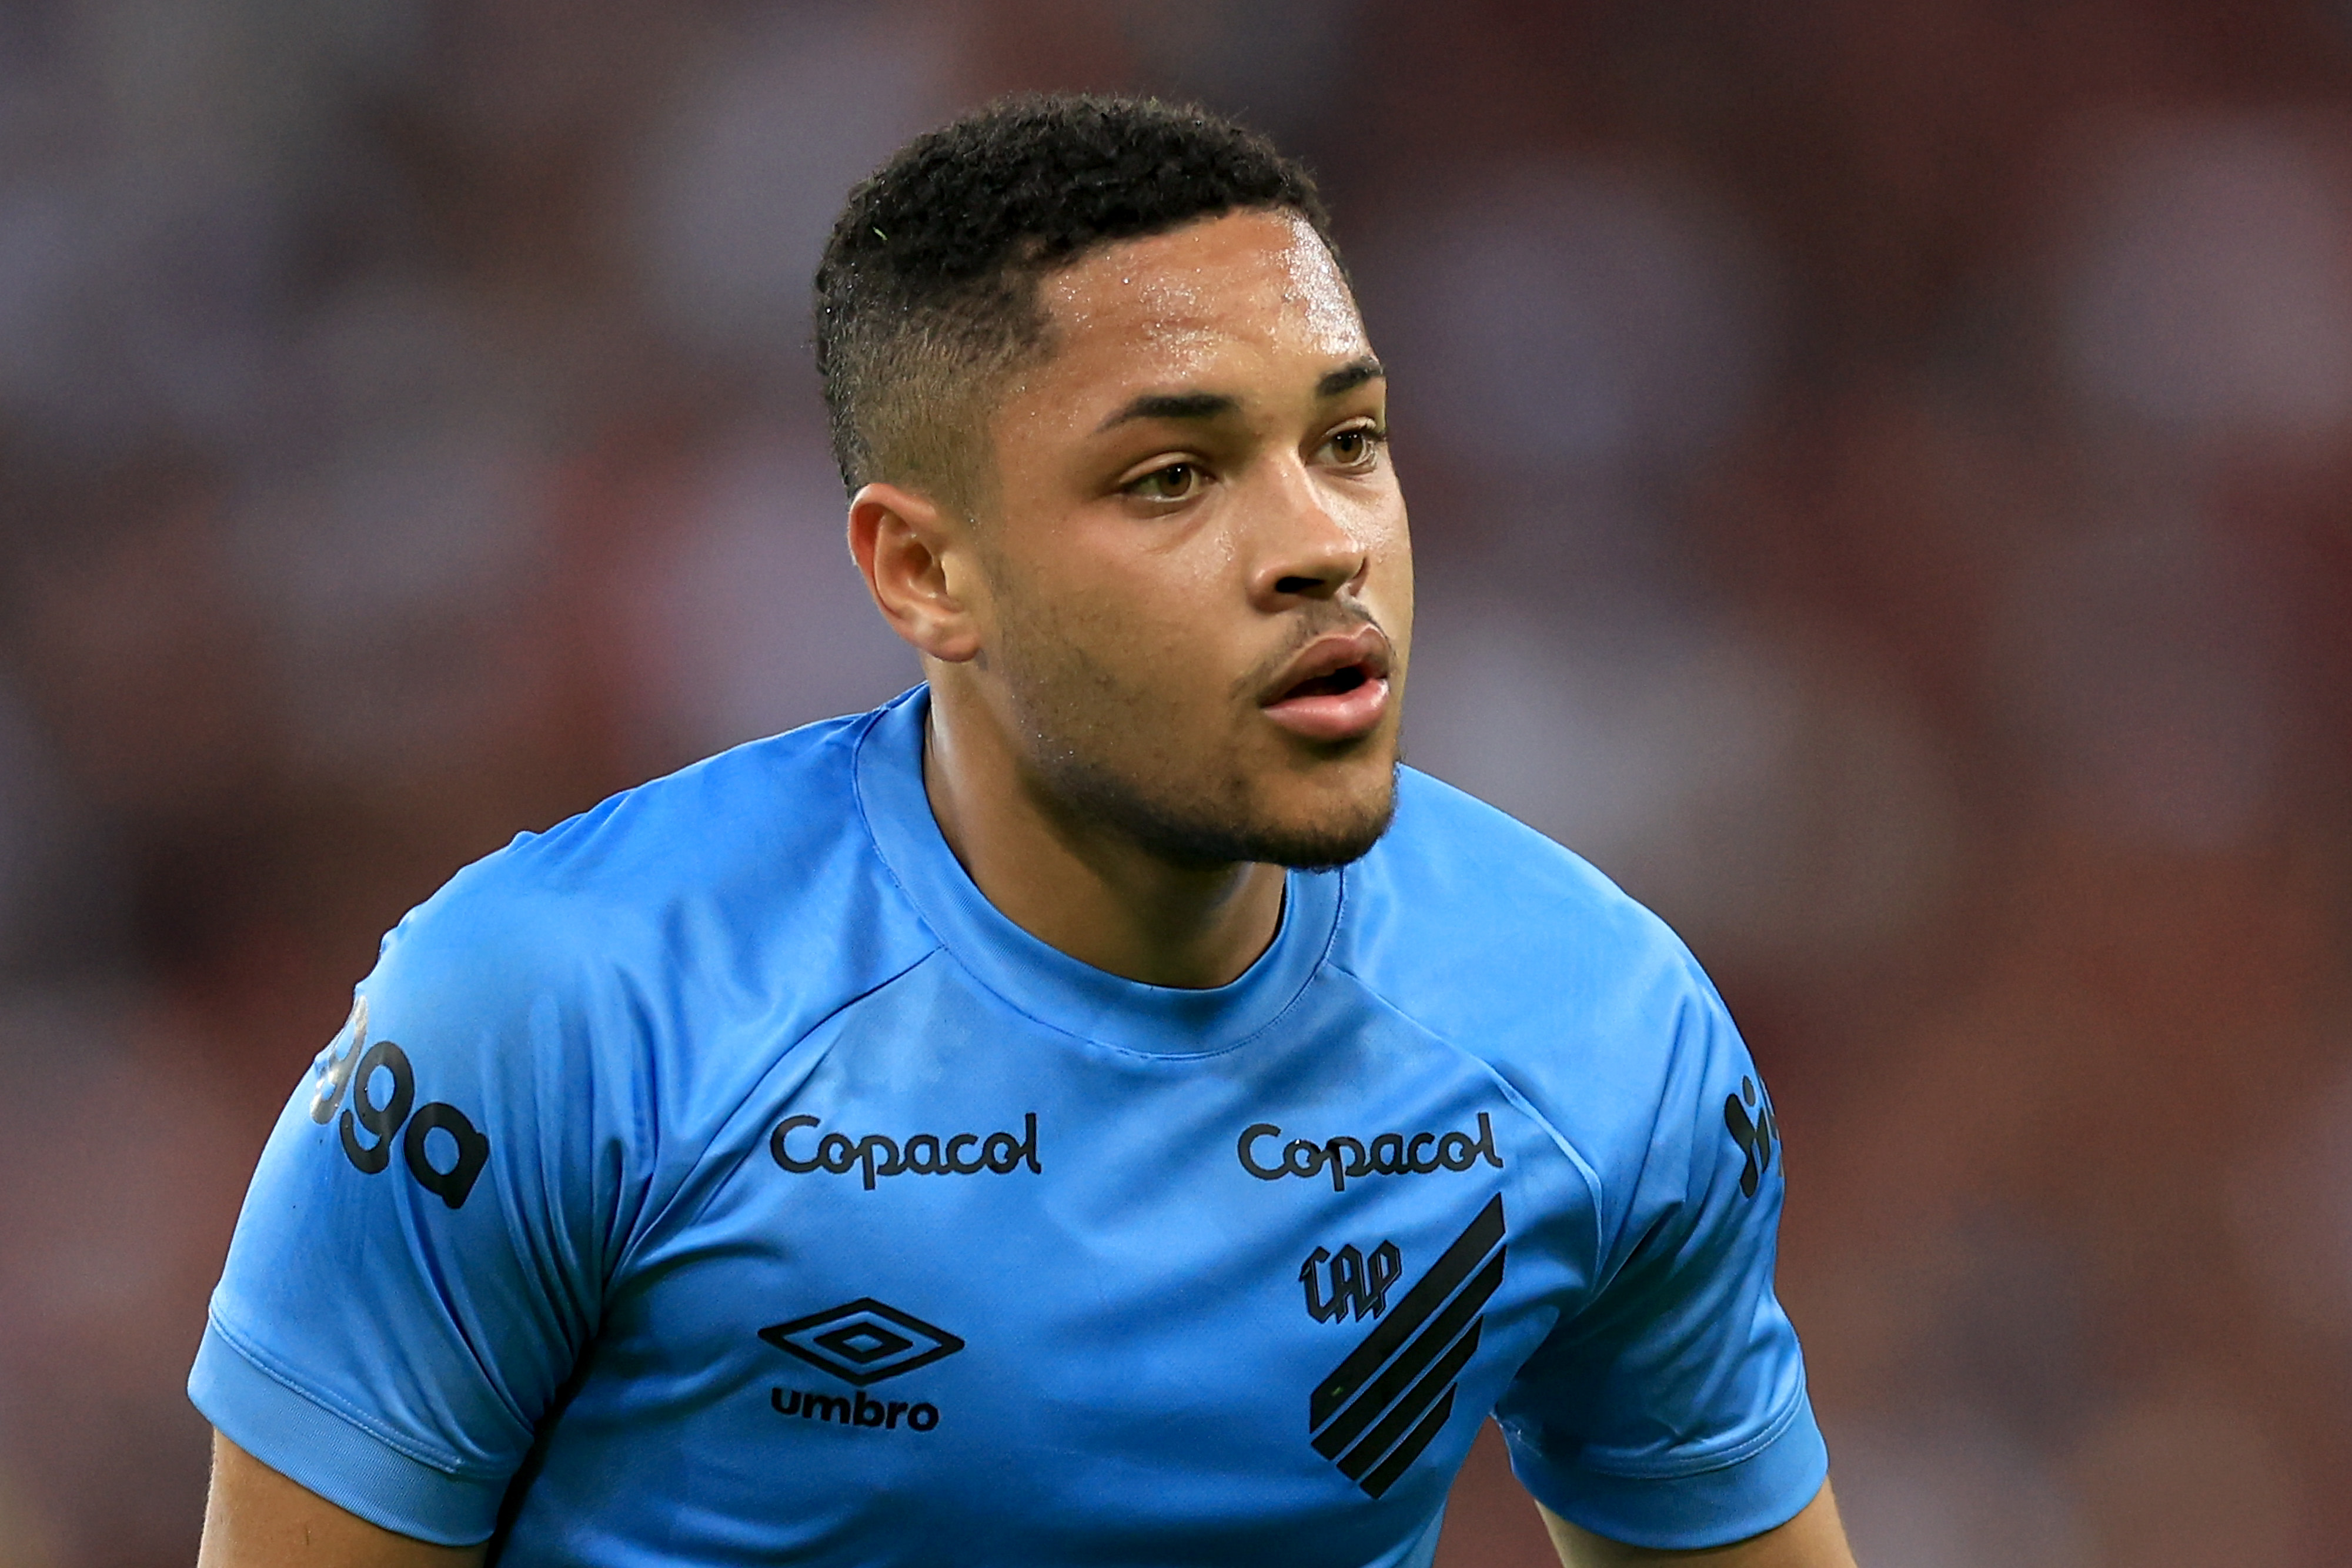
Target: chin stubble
{"points": [[1205, 832], [1080, 721]]}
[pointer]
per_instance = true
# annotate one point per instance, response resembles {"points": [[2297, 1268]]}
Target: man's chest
{"points": [[987, 1300]]}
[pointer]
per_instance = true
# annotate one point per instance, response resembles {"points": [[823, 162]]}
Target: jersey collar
{"points": [[1043, 981]]}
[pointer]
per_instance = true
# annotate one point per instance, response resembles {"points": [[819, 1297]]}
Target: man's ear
{"points": [[916, 565]]}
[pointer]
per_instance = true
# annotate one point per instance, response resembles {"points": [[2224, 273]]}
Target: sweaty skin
{"points": [[256, 1517], [1814, 1539], [1192, 509], [1191, 492]]}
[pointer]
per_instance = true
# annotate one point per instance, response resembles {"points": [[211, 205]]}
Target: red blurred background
{"points": [[1881, 482]]}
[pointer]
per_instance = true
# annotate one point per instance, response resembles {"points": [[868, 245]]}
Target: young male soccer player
{"points": [[1094, 1110]]}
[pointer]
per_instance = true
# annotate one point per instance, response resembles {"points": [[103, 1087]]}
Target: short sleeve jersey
{"points": [[717, 1178]]}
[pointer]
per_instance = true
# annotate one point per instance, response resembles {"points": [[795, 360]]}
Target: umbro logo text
{"points": [[1389, 1154], [863, 1342], [922, 1154], [856, 1410]]}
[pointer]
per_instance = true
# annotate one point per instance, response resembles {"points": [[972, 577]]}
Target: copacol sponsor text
{"points": [[922, 1154], [1388, 1153]]}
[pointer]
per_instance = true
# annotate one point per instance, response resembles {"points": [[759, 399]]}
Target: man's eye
{"points": [[1354, 447], [1174, 482]]}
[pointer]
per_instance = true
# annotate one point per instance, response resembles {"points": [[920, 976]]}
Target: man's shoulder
{"points": [[761, 813], [757, 858], [1514, 948], [1457, 875]]}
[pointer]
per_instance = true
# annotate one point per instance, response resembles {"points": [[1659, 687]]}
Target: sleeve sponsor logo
{"points": [[798, 1146], [1754, 1134], [447, 1167], [1266, 1157], [1386, 1403]]}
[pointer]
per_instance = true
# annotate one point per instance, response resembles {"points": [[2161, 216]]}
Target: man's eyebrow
{"points": [[1172, 405], [1215, 405], [1348, 377]]}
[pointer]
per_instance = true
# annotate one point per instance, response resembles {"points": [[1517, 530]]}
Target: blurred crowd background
{"points": [[1883, 483]]}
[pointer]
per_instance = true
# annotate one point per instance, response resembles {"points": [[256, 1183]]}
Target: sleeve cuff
{"points": [[1759, 1488], [331, 1453]]}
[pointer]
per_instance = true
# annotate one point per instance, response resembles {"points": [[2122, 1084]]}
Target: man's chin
{"points": [[1322, 837], [1313, 819], [1325, 851]]}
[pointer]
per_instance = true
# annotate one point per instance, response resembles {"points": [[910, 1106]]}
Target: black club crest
{"points": [[1359, 1282]]}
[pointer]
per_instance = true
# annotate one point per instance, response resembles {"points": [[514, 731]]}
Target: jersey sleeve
{"points": [[1671, 1411], [420, 1257]]}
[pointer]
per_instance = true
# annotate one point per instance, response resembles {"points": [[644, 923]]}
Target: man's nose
{"points": [[1306, 550]]}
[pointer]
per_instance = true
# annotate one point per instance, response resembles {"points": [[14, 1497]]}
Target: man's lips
{"points": [[1336, 688]]}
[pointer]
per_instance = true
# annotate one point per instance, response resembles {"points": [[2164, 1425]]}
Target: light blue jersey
{"points": [[719, 1179]]}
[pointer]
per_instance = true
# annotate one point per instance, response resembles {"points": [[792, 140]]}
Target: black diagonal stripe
{"points": [[1424, 1299], [1408, 1365], [1396, 1464], [1420, 1397]]}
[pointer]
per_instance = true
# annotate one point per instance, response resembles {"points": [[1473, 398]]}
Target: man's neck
{"points": [[1079, 886]]}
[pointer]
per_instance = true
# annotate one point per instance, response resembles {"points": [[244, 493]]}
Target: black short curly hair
{"points": [[927, 293]]}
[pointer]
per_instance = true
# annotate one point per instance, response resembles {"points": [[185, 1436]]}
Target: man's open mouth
{"points": [[1336, 688], [1328, 685]]}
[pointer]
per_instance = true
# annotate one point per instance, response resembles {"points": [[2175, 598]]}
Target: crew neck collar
{"points": [[1042, 980]]}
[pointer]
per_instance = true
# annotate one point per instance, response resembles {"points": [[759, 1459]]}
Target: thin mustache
{"points": [[1322, 623]]}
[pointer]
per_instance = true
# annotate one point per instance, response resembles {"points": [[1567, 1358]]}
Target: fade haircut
{"points": [[928, 292]]}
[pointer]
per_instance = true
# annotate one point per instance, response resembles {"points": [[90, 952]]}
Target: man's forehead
{"points": [[1242, 276]]}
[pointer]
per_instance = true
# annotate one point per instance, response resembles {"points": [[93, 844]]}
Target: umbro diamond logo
{"points": [[863, 1342], [1392, 1396]]}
